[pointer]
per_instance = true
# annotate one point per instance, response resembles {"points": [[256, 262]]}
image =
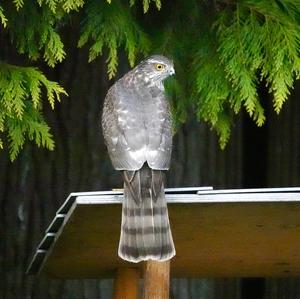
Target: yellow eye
{"points": [[159, 67]]}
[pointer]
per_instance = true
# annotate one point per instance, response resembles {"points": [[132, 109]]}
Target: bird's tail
{"points": [[145, 231]]}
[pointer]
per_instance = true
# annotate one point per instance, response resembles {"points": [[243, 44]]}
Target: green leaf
{"points": [[32, 126], [54, 48], [18, 3], [146, 4], [3, 19], [21, 106], [111, 26], [69, 5]]}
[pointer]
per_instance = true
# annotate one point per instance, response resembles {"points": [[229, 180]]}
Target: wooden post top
{"points": [[217, 233]]}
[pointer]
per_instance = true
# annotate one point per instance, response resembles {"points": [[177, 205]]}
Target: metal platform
{"points": [[241, 232]]}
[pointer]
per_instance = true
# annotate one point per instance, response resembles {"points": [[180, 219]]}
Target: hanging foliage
{"points": [[223, 51]]}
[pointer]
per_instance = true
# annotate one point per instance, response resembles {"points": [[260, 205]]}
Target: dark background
{"points": [[35, 185]]}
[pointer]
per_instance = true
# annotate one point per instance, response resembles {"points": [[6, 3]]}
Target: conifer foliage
{"points": [[20, 106], [223, 51]]}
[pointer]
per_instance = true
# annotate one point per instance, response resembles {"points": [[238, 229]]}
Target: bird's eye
{"points": [[159, 67]]}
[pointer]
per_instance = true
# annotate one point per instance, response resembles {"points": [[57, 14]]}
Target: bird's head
{"points": [[156, 68]]}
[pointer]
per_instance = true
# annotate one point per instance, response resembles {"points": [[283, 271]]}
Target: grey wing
{"points": [[123, 130], [160, 135]]}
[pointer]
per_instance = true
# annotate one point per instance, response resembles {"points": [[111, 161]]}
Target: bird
{"points": [[137, 130]]}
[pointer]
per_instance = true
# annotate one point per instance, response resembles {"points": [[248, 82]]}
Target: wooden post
{"points": [[126, 284], [156, 280]]}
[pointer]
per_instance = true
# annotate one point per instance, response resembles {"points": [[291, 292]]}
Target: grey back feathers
{"points": [[136, 117], [137, 130]]}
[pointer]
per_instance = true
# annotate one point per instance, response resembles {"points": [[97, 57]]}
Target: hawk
{"points": [[137, 129]]}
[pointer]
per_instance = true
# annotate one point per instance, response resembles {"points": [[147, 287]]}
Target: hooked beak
{"points": [[171, 71]]}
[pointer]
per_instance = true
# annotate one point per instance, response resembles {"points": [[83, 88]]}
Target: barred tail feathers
{"points": [[145, 230]]}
